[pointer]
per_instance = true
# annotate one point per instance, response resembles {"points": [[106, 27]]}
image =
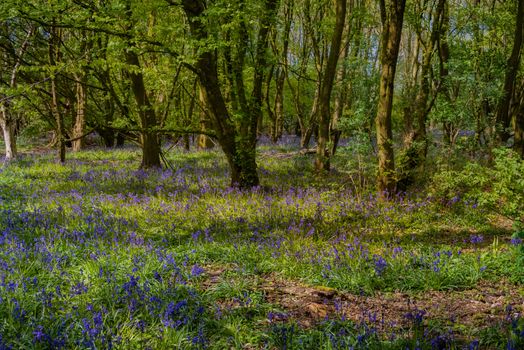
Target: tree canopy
{"points": [[233, 71]]}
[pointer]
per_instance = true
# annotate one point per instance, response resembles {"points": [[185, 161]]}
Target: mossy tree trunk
{"points": [[392, 17], [147, 116], [54, 59], [416, 144], [518, 144], [322, 160], [282, 72], [237, 138], [504, 116], [7, 121]]}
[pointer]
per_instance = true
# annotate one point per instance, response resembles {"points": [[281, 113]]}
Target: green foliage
{"points": [[499, 188]]}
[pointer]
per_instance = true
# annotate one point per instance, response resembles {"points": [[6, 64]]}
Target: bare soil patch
{"points": [[480, 307], [488, 304]]}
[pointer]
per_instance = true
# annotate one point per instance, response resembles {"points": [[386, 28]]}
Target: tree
{"points": [[392, 17], [322, 161], [428, 30], [146, 112], [504, 116], [518, 145], [81, 93], [54, 59], [7, 119], [281, 72], [237, 138]]}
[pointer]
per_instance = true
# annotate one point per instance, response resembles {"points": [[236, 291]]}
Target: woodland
{"points": [[261, 174]]}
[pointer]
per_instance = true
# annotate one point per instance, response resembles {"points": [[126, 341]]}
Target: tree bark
{"points": [[81, 97], [322, 161], [147, 115], [503, 117], [443, 51], [309, 129], [341, 98], [54, 58], [80, 121], [416, 145], [8, 128], [204, 142], [7, 122], [281, 74], [237, 141], [392, 17], [518, 145], [149, 139]]}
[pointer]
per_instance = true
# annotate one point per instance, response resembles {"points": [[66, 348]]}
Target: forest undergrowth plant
{"points": [[498, 188]]}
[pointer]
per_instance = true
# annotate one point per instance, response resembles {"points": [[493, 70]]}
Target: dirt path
{"points": [[483, 306], [486, 305]]}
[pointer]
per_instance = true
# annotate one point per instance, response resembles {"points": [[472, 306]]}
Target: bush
{"points": [[499, 188]]}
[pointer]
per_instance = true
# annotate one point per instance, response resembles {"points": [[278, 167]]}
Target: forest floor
{"points": [[98, 254]]}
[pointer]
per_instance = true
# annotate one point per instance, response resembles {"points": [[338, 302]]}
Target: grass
{"points": [[97, 254]]}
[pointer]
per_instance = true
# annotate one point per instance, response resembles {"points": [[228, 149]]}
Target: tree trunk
{"points": [[120, 140], [276, 132], [392, 16], [108, 136], [8, 128], [416, 145], [80, 121], [503, 111], [239, 145], [59, 123], [204, 141], [81, 98], [322, 161], [54, 57], [7, 122], [148, 120], [443, 51], [341, 98], [412, 70], [281, 74], [268, 102], [518, 145], [312, 126], [147, 116]]}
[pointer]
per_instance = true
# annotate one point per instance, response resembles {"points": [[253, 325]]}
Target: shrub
{"points": [[499, 188]]}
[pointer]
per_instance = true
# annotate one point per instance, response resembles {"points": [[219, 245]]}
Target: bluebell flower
{"points": [[380, 264], [476, 239], [197, 270], [38, 334]]}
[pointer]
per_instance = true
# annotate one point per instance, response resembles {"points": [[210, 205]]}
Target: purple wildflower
{"points": [[197, 270], [380, 264], [476, 239], [38, 334]]}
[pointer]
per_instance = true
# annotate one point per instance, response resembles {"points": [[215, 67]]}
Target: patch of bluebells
{"points": [[380, 264], [476, 239], [54, 255], [197, 270], [416, 316], [125, 225]]}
